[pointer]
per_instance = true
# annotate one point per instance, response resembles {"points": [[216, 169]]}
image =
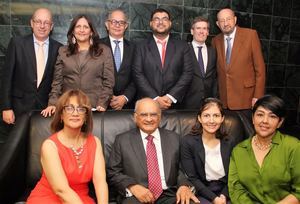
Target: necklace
{"points": [[261, 146], [77, 154]]}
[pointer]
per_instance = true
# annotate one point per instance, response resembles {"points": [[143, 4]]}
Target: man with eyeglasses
{"points": [[144, 162], [162, 67], [240, 66], [122, 50], [28, 69]]}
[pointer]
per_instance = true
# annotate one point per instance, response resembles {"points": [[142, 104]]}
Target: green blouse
{"points": [[278, 176]]}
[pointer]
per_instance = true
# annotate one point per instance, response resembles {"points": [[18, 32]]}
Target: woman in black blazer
{"points": [[205, 154]]}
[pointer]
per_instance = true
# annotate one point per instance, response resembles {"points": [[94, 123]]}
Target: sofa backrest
{"points": [[107, 126]]}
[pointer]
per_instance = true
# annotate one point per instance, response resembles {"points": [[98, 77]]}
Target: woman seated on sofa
{"points": [[71, 157], [266, 167], [205, 154]]}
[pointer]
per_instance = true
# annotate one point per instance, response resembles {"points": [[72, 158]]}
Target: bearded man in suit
{"points": [[144, 162], [162, 67], [240, 66]]}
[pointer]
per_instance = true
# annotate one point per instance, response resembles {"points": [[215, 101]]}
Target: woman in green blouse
{"points": [[266, 167]]}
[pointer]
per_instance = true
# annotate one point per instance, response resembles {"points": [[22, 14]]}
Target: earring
{"points": [[73, 40], [91, 41]]}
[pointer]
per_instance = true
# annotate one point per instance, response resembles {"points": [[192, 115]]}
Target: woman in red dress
{"points": [[71, 157]]}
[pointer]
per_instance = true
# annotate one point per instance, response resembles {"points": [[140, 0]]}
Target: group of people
{"points": [[149, 164]]}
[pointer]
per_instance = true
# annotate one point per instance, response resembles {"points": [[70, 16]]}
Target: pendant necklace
{"points": [[261, 146]]}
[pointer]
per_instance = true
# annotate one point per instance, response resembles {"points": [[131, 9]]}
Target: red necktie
{"points": [[163, 51], [154, 180]]}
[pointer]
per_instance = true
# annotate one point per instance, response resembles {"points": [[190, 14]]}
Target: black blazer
{"points": [[152, 79], [193, 164], [19, 78], [124, 84], [202, 87], [127, 162]]}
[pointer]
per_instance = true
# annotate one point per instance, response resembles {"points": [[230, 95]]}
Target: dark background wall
{"points": [[277, 23]]}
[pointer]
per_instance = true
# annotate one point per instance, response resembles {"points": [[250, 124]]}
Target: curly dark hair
{"points": [[95, 50], [197, 129]]}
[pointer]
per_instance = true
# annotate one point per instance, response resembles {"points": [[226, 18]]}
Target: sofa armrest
{"points": [[13, 160]]}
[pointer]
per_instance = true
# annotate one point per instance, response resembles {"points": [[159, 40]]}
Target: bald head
{"points": [[226, 21], [41, 11], [147, 115]]}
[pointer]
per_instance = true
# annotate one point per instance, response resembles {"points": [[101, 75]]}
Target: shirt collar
{"points": [[155, 134], [277, 139], [112, 39], [166, 39], [197, 44], [36, 41]]}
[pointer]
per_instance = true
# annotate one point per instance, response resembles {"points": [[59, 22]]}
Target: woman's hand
{"points": [[100, 109], [50, 110]]}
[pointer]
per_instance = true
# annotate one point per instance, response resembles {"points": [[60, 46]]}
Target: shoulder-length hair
{"points": [[95, 50], [197, 129], [83, 100]]}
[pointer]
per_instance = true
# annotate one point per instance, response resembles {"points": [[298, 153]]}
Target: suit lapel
{"points": [[195, 62], [153, 49], [201, 150], [166, 154], [225, 148], [126, 54], [237, 45], [29, 45], [139, 150], [209, 61], [170, 51]]}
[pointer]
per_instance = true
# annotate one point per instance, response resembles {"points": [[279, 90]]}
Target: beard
{"points": [[164, 32]]}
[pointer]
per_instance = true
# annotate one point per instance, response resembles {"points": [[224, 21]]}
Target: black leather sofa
{"points": [[20, 167]]}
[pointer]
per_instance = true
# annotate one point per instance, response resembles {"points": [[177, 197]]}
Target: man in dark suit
{"points": [[162, 67], [27, 79], [124, 89], [240, 67], [137, 174], [204, 83]]}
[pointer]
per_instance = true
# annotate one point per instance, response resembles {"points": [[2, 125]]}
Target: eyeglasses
{"points": [[69, 109], [40, 23], [157, 20], [115, 22], [146, 115]]}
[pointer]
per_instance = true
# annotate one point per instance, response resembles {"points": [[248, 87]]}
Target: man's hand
{"points": [[184, 195], [48, 111], [253, 101], [117, 102], [8, 116], [219, 200], [100, 109], [143, 194], [164, 101]]}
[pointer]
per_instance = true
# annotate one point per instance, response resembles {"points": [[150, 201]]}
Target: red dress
{"points": [[78, 178]]}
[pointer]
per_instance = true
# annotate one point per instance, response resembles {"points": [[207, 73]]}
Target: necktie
{"points": [[228, 50], [200, 61], [163, 51], [154, 180], [40, 62], [117, 54]]}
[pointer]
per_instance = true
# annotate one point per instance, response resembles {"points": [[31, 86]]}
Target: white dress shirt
{"points": [[214, 169], [203, 51], [121, 45], [232, 36]]}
